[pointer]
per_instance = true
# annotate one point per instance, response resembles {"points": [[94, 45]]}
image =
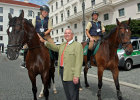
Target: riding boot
{"points": [[89, 53]]}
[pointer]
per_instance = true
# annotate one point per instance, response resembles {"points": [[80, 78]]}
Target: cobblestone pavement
{"points": [[15, 84]]}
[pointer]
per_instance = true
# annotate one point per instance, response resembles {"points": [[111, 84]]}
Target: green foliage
{"points": [[134, 27]]}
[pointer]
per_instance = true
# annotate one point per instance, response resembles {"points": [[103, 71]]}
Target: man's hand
{"points": [[41, 39], [75, 80]]}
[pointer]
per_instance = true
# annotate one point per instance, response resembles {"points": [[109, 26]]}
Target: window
{"points": [[52, 21], [75, 10], [20, 11], [61, 2], [1, 37], [135, 45], [62, 40], [38, 13], [93, 2], [75, 38], [56, 5], [52, 8], [30, 13], [138, 7], [1, 28], [57, 31], [121, 12], [56, 19], [11, 11], [52, 32], [106, 16], [62, 30], [1, 18], [57, 40], [75, 26], [61, 17], [1, 9], [68, 13]]}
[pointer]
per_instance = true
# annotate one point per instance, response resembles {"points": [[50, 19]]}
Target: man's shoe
{"points": [[23, 65], [88, 64]]}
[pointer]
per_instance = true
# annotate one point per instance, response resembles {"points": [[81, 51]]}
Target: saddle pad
{"points": [[95, 50]]}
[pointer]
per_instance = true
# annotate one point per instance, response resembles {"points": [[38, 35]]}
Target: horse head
{"points": [[16, 36], [124, 36]]}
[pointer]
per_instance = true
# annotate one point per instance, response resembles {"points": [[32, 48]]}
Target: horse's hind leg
{"points": [[85, 76], [115, 73], [100, 75], [33, 80], [54, 87]]}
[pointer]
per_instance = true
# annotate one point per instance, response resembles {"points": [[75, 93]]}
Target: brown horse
{"points": [[106, 56], [38, 61]]}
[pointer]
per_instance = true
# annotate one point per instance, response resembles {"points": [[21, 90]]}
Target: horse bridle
{"points": [[19, 46], [124, 44]]}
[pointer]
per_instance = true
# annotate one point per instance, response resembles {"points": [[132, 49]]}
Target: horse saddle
{"points": [[95, 47]]}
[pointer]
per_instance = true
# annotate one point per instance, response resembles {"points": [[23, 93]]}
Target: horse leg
{"points": [[100, 75], [33, 80], [41, 92], [54, 87], [45, 80], [115, 73], [85, 76]]}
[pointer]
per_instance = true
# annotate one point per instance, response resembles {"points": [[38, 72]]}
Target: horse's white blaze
{"points": [[10, 29]]}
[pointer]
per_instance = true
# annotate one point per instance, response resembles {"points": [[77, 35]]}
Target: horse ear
{"points": [[117, 21], [9, 16], [129, 20], [22, 14]]}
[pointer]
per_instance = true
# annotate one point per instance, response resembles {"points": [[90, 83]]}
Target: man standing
{"points": [[70, 61], [94, 30]]}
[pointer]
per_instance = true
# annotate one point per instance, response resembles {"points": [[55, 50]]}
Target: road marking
{"points": [[111, 80]]}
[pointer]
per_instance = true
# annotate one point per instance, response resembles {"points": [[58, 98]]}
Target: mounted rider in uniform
{"points": [[94, 30]]}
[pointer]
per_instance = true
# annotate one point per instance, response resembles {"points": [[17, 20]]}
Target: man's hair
{"points": [[70, 30]]}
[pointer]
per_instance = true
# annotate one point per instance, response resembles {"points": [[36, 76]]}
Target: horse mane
{"points": [[106, 36], [28, 22]]}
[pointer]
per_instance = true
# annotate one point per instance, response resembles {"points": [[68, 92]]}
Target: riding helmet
{"points": [[44, 7], [95, 12]]}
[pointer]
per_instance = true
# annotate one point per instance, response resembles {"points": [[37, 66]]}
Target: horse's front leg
{"points": [[115, 73], [85, 76], [33, 80], [54, 87], [46, 81], [100, 75], [41, 92]]}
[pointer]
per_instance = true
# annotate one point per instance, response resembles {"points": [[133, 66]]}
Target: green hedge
{"points": [[134, 27]]}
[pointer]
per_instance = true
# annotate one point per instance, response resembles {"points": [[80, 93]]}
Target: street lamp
{"points": [[83, 8]]}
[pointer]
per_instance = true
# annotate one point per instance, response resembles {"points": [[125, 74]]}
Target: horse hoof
{"points": [[54, 91], [80, 89], [41, 95]]}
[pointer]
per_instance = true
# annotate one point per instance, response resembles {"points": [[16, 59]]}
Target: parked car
{"points": [[128, 61]]}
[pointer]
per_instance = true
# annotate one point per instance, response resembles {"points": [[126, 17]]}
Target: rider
{"points": [[43, 26], [94, 30]]}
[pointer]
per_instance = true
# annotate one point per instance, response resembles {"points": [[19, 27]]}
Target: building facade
{"points": [[68, 14], [14, 7]]}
